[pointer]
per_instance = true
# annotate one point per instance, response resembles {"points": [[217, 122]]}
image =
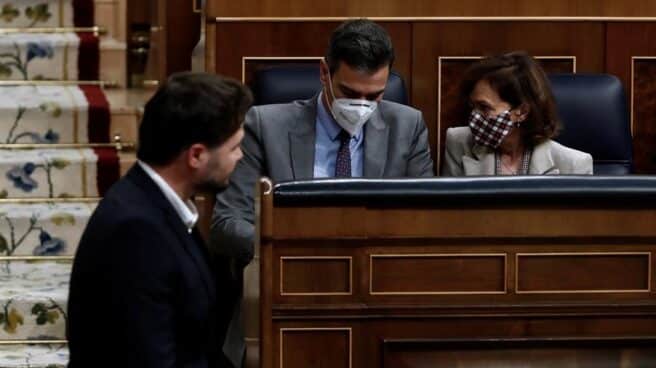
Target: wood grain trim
{"points": [[196, 7], [349, 258], [439, 91], [435, 19], [246, 59], [210, 52], [567, 254], [439, 255], [509, 342], [632, 108], [296, 329]]}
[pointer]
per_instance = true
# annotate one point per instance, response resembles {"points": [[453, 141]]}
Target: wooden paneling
{"points": [[492, 222], [305, 39], [643, 111], [624, 42], [526, 353], [583, 273], [175, 31], [585, 41], [315, 347], [437, 274], [316, 275], [183, 33], [375, 340], [383, 273], [425, 8], [138, 12], [474, 272]]}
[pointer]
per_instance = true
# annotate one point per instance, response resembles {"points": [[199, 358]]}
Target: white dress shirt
{"points": [[185, 209]]}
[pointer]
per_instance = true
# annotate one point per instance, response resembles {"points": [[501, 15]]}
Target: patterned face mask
{"points": [[490, 131]]}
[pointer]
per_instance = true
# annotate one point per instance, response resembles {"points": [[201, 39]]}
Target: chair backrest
{"points": [[593, 111], [286, 83]]}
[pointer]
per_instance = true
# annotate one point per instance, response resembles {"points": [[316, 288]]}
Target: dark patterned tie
{"points": [[343, 163]]}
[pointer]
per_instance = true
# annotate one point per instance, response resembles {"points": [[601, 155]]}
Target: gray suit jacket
{"points": [[465, 158], [279, 143]]}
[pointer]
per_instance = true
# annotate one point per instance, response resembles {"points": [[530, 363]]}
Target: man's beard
{"points": [[211, 186]]}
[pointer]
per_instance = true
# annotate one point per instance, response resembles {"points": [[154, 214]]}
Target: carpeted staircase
{"points": [[57, 158]]}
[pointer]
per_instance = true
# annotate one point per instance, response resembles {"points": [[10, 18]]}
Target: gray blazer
{"points": [[465, 158], [279, 143]]}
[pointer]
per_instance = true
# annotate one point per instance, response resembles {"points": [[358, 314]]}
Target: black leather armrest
{"points": [[556, 190]]}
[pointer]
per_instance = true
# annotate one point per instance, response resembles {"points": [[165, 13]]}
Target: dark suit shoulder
{"points": [[128, 211]]}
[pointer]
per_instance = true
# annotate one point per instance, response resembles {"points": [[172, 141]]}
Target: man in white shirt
{"points": [[143, 291]]}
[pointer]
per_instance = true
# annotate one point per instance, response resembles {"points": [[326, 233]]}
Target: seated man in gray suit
{"points": [[347, 130]]}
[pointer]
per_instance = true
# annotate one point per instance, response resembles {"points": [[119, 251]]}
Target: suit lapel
{"points": [[542, 162], [481, 164], [141, 179], [302, 138], [193, 249], [376, 140]]}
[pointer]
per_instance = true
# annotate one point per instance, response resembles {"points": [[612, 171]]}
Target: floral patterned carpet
{"points": [[31, 356], [51, 174]]}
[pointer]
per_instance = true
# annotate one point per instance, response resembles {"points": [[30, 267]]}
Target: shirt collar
{"points": [[185, 209], [328, 122]]}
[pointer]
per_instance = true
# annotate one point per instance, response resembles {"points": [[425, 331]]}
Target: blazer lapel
{"points": [[302, 138], [542, 162], [139, 177], [482, 162], [193, 248], [376, 140]]}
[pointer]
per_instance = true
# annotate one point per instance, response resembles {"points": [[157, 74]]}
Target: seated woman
{"points": [[511, 113]]}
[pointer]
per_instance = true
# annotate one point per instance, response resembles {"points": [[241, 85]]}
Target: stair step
{"points": [[53, 56], [42, 229], [126, 106], [58, 114], [57, 173], [33, 300], [111, 15], [53, 114], [113, 61], [34, 356], [37, 13]]}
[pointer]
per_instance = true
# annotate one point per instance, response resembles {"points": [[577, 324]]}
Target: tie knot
{"points": [[344, 136]]}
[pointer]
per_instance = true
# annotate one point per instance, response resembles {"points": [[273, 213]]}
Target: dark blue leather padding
{"points": [[286, 83], [593, 110], [502, 190]]}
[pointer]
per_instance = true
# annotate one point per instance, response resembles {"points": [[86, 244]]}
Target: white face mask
{"points": [[350, 113]]}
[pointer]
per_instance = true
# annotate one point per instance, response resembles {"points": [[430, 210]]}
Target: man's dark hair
{"points": [[361, 44], [191, 108]]}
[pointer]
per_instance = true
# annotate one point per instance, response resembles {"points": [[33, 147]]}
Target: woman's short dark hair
{"points": [[191, 108], [518, 80], [361, 44]]}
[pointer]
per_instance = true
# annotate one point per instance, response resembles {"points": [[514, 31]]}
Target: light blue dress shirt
{"points": [[327, 144]]}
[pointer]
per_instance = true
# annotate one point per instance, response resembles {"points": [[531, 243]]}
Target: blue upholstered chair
{"points": [[286, 83], [593, 110]]}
